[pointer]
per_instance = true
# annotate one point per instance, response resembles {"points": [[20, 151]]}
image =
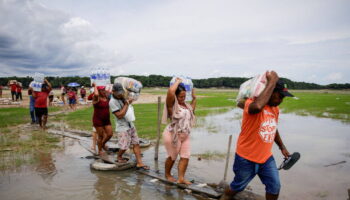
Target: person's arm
{"points": [[278, 141], [48, 84], [95, 98], [121, 113], [263, 98], [194, 101], [170, 97]]}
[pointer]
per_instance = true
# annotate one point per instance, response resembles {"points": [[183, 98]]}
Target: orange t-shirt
{"points": [[258, 133]]}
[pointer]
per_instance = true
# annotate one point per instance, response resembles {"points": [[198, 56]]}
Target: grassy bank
{"points": [[14, 116], [320, 104]]}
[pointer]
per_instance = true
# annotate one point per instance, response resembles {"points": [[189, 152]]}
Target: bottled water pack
{"points": [[100, 76], [187, 82]]}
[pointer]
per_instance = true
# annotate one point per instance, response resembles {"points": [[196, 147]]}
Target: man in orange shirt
{"points": [[254, 145]]}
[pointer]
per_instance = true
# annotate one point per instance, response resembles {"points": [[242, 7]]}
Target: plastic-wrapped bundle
{"points": [[187, 82], [251, 88], [39, 77], [132, 87], [36, 86], [100, 77]]}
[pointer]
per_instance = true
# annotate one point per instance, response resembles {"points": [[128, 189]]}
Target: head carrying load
{"points": [[251, 88], [38, 81], [187, 83], [129, 87]]}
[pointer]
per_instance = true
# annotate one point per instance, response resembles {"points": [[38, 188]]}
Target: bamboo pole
{"points": [[158, 129], [227, 156]]}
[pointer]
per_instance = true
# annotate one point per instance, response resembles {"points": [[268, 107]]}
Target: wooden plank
{"points": [[206, 190]]}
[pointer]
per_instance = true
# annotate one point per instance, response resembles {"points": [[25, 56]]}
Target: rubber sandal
{"points": [[144, 167], [290, 161]]}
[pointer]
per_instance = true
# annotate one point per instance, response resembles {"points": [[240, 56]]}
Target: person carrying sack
{"points": [[254, 146], [125, 128]]}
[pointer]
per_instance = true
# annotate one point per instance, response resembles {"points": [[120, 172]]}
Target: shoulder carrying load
{"points": [[132, 88], [251, 88], [187, 82]]}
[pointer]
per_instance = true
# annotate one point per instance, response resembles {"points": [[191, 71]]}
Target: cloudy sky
{"points": [[302, 40]]}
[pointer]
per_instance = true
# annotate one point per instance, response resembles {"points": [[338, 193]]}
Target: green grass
{"points": [[15, 116], [211, 155], [325, 105]]}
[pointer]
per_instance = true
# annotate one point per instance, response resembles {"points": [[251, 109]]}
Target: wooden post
{"points": [[227, 155], [158, 129]]}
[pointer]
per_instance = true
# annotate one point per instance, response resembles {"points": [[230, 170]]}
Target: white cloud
{"points": [[334, 77]]}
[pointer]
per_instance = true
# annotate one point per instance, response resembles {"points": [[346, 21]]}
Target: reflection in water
{"points": [[45, 166]]}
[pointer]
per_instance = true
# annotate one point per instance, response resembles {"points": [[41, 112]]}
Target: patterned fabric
{"points": [[182, 120], [125, 139]]}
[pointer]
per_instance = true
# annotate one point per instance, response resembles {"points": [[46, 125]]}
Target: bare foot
{"points": [[184, 182], [170, 178], [106, 147]]}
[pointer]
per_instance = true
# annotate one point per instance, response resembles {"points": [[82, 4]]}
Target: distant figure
{"points": [[259, 132], [125, 128], [176, 136], [72, 98], [63, 94], [1, 87], [18, 91], [101, 118], [13, 87], [41, 111], [83, 93], [51, 95], [32, 106]]}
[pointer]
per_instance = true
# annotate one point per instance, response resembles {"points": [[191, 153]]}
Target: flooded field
{"points": [[65, 174]]}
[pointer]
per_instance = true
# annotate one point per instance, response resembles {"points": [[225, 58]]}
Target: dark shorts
{"points": [[82, 96], [39, 112], [51, 98], [71, 101], [246, 170]]}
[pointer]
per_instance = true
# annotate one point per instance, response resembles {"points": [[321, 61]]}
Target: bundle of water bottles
{"points": [[251, 88], [100, 76], [38, 81], [187, 83], [132, 88]]}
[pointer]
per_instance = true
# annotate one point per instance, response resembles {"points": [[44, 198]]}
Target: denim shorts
{"points": [[246, 170], [71, 101]]}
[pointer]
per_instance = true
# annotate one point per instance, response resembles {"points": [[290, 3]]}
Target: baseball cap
{"points": [[281, 87], [101, 87], [117, 87]]}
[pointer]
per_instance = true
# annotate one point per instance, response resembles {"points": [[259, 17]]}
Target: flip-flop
{"points": [[143, 167], [290, 161]]}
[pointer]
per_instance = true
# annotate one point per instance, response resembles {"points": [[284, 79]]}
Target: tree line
{"points": [[163, 81]]}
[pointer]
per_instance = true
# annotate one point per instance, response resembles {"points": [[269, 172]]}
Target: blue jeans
{"points": [[246, 170]]}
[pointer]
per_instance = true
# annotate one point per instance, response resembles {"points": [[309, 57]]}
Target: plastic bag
{"points": [[132, 88], [130, 115], [36, 86], [39, 77], [187, 82], [251, 88]]}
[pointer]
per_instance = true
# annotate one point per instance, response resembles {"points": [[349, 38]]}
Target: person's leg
{"points": [[20, 95], [17, 96], [13, 94], [184, 158], [38, 114], [123, 143], [172, 152], [268, 174], [94, 140], [99, 131], [169, 163], [45, 115], [107, 135], [245, 171]]}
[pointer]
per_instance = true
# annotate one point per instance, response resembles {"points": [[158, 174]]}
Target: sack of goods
{"points": [[100, 76], [132, 88], [12, 82], [187, 83], [251, 88]]}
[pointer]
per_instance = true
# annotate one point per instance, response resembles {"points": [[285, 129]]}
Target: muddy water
{"points": [[66, 174]]}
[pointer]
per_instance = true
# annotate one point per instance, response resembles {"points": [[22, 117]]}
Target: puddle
{"points": [[65, 174]]}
